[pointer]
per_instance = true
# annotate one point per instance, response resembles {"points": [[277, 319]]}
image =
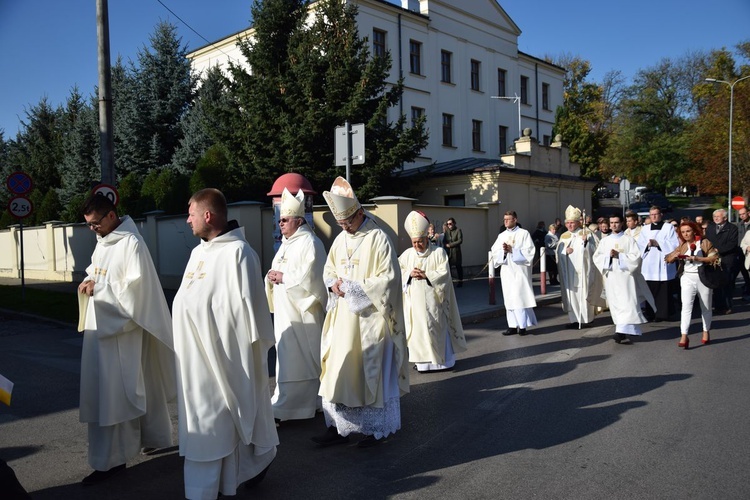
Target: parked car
{"points": [[658, 200], [640, 207]]}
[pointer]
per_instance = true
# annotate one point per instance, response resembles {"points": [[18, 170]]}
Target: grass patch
{"points": [[679, 201], [47, 303]]}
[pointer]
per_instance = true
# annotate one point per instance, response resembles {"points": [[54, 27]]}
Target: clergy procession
{"points": [[346, 323]]}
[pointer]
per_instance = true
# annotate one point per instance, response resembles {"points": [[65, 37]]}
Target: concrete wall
{"points": [[61, 252]]}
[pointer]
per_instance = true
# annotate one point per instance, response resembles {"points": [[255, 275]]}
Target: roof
{"points": [[476, 165]]}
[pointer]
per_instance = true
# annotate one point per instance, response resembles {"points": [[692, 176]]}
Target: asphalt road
{"points": [[555, 414]]}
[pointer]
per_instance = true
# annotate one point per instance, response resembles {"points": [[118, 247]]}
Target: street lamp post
{"points": [[731, 110]]}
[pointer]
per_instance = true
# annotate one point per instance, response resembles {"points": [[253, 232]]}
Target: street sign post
{"points": [[20, 183], [350, 145]]}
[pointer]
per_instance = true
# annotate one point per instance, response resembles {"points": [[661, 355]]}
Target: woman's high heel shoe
{"points": [[684, 344], [706, 338]]}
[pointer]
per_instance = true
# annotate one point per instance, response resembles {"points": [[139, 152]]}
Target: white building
{"points": [[455, 56]]}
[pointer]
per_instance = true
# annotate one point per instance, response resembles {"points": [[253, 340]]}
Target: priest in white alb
{"points": [[127, 361], [364, 358], [618, 258], [657, 240], [223, 331], [297, 298], [580, 282], [434, 333], [513, 251]]}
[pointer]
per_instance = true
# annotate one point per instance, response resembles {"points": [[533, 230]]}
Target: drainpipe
{"points": [[536, 92]]}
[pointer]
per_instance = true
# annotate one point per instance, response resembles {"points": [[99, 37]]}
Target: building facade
{"points": [[456, 58]]}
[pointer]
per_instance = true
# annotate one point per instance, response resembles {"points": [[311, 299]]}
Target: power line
{"points": [[194, 31]]}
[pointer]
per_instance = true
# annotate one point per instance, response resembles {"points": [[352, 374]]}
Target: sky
{"points": [[49, 46]]}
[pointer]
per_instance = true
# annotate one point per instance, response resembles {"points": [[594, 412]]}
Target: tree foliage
{"points": [[307, 78]]}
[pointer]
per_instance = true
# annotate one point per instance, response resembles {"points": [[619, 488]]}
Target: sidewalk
{"points": [[473, 298]]}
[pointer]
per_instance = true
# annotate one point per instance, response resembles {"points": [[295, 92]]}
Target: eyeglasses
{"points": [[98, 223], [284, 221], [346, 222]]}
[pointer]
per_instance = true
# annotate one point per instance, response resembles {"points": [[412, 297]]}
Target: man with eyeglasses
{"points": [[297, 298], [364, 358], [127, 362], [656, 241]]}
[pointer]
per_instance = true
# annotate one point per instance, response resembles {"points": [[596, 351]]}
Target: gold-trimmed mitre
{"points": [[341, 199], [291, 205], [572, 213], [416, 224]]}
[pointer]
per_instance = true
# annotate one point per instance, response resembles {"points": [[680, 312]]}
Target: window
{"points": [[502, 139], [476, 135], [455, 200], [416, 114], [524, 90], [447, 130], [415, 57], [378, 43], [445, 66], [545, 96], [475, 65], [501, 73]]}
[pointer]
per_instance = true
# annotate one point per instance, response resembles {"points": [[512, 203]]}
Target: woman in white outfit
{"points": [[693, 252]]}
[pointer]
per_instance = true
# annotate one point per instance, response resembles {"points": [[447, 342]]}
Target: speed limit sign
{"points": [[108, 191], [20, 207]]}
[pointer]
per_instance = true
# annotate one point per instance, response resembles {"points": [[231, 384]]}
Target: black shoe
{"points": [[369, 442], [522, 332], [99, 476], [330, 438], [510, 331], [619, 337], [255, 481]]}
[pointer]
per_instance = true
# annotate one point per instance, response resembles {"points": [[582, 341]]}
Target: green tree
{"points": [[79, 167], [582, 118], [38, 148], [153, 98], [709, 135], [649, 141], [307, 79]]}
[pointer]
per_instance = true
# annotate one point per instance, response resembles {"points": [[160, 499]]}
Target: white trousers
{"points": [[691, 285]]}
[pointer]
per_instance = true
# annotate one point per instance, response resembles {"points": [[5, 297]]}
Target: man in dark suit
{"points": [[723, 236]]}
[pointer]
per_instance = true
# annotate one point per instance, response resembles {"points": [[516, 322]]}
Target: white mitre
{"points": [[291, 205], [341, 199], [416, 224], [572, 213]]}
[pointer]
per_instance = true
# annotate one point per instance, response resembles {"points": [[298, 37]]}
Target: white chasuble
{"points": [[623, 281], [580, 282], [127, 363], [363, 344], [223, 332], [430, 308], [298, 305]]}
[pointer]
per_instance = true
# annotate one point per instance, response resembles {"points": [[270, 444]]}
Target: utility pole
{"points": [[106, 142]]}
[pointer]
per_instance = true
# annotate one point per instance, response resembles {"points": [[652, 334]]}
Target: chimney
{"points": [[412, 5]]}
